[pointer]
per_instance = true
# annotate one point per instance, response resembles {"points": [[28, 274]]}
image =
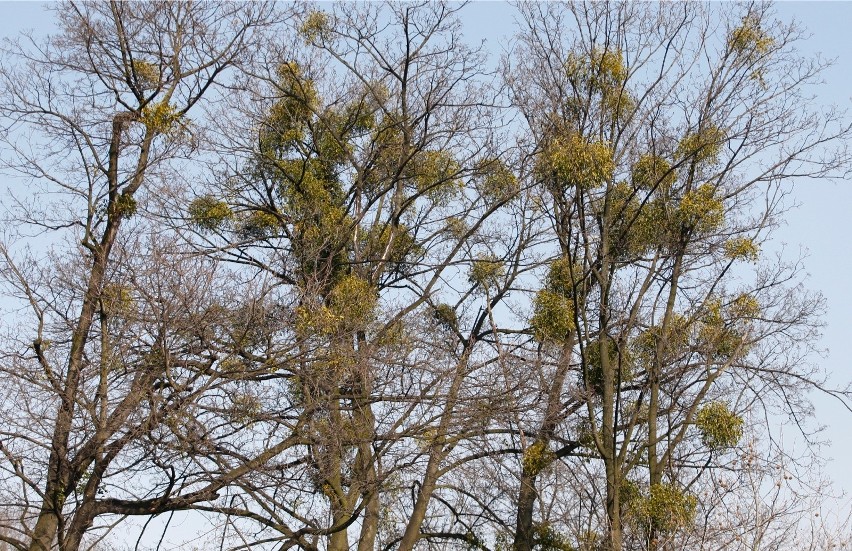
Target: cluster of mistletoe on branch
{"points": [[319, 278]]}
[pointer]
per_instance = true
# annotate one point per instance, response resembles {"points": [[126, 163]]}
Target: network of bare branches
{"points": [[316, 277]]}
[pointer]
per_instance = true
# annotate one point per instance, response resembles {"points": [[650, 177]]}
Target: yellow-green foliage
{"points": [[553, 306], [702, 146], [603, 70], [630, 494], [435, 174], [639, 220], [675, 338], [360, 114], [720, 427], [665, 508], [456, 227], [330, 143], [293, 83], [362, 121], [258, 224], [546, 538], [387, 145], [652, 172], [497, 182], [720, 339], [117, 299], [319, 245], [623, 201], [125, 205], [564, 277], [393, 335], [350, 306], [741, 248], [208, 213], [332, 367], [744, 306], [147, 74], [601, 75], [633, 227], [377, 240], [314, 319], [713, 312], [160, 117], [571, 160], [308, 191], [286, 123], [354, 301], [609, 69], [537, 458], [446, 316], [315, 206], [618, 104], [749, 39], [316, 26], [486, 271], [700, 210], [553, 317], [620, 361]]}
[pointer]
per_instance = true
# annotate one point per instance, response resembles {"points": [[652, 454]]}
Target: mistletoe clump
{"points": [[208, 213], [749, 39], [571, 160], [741, 248], [486, 271], [553, 306], [620, 362], [666, 508], [720, 427], [653, 172], [537, 458]]}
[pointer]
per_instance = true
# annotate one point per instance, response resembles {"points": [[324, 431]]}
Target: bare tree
{"points": [[91, 117]]}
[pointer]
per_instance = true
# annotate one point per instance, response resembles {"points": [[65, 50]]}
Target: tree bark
{"points": [[527, 493], [58, 476]]}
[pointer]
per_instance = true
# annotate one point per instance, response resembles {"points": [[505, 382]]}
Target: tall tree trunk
{"points": [[655, 468], [339, 540], [58, 473], [438, 450], [364, 421], [610, 390], [526, 503], [421, 505], [370, 525], [367, 484], [527, 493]]}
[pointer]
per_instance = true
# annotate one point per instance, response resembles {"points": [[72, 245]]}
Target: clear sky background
{"points": [[822, 224]]}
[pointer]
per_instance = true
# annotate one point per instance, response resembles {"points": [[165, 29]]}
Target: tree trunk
{"points": [[424, 496], [437, 452], [526, 503], [527, 493], [47, 525], [370, 525]]}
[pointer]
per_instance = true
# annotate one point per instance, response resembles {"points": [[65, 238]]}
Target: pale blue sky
{"points": [[820, 224]]}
